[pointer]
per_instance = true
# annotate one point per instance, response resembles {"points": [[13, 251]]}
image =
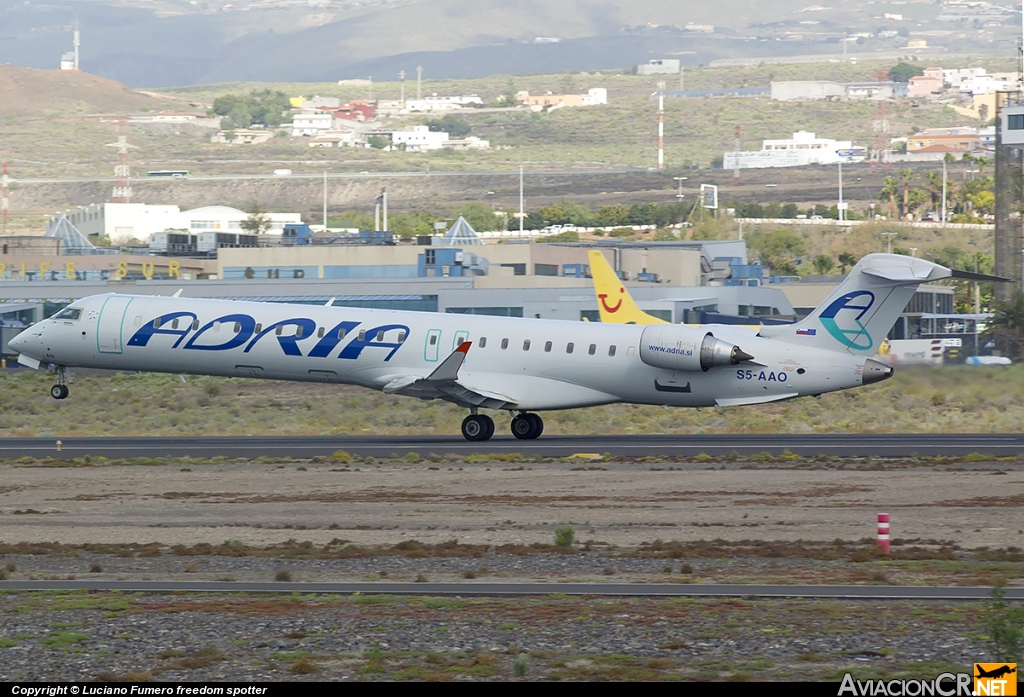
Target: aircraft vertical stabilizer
{"points": [[861, 311], [613, 300]]}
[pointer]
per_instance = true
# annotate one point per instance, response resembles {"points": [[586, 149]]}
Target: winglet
{"points": [[449, 368]]}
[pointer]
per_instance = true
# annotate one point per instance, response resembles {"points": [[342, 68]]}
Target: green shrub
{"points": [[564, 535], [1004, 623], [521, 666]]}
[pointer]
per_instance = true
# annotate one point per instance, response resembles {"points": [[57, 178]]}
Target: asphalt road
{"points": [[849, 445], [507, 589]]}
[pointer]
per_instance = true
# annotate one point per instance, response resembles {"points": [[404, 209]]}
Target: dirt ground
{"points": [[624, 504]]}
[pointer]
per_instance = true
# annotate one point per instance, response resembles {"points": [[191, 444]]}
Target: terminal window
{"points": [[1015, 122]]}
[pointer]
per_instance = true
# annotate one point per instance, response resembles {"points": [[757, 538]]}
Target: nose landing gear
{"points": [[527, 426], [60, 390]]}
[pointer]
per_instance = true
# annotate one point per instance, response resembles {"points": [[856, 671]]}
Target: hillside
{"points": [[25, 92], [175, 42]]}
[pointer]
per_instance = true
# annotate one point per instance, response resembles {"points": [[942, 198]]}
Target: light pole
{"points": [[680, 195], [913, 251], [889, 236]]}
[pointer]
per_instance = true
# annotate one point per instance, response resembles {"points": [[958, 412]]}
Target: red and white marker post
{"points": [[883, 532]]}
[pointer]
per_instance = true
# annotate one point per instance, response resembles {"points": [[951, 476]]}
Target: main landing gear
{"points": [[477, 427], [60, 390], [527, 426], [524, 426]]}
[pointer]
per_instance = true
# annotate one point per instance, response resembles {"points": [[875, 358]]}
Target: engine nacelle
{"points": [[677, 347]]}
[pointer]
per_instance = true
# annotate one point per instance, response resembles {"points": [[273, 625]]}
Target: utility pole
{"points": [[661, 126], [384, 195], [5, 192], [943, 216], [682, 72], [840, 207], [325, 200], [401, 80], [77, 41], [736, 166], [371, 87], [521, 214], [419, 78]]}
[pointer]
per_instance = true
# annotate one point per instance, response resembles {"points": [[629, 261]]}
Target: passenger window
{"points": [[611, 350], [174, 323], [401, 337], [526, 345], [341, 334], [279, 329], [320, 333], [380, 336], [237, 328], [138, 321], [216, 326], [433, 339], [547, 347], [504, 343], [483, 342], [195, 325], [593, 349], [568, 347], [298, 332], [156, 323], [259, 327], [362, 335]]}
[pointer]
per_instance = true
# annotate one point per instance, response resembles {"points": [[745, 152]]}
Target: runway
{"points": [[879, 592], [303, 447]]}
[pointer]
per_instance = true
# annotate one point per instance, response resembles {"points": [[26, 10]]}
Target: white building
{"points": [[804, 148], [660, 66], [436, 103], [335, 138], [310, 123], [595, 95], [468, 143], [419, 139], [121, 221]]}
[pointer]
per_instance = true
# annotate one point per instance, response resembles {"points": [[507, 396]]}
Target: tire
{"points": [[57, 392], [538, 425], [522, 427], [489, 423], [64, 391], [474, 428]]}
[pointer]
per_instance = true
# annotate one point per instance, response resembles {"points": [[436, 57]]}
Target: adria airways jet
{"points": [[521, 366]]}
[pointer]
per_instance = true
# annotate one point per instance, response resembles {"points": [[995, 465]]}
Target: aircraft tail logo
{"points": [[614, 302], [842, 319]]}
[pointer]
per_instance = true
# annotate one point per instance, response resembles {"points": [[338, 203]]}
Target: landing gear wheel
{"points": [[538, 424], [527, 426], [59, 391], [477, 427]]}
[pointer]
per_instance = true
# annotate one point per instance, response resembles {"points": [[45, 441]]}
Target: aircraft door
{"points": [[460, 337], [431, 345], [109, 332]]}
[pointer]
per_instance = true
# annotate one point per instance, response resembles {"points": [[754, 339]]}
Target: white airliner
{"points": [[516, 365]]}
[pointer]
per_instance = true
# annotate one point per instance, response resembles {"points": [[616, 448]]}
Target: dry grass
{"points": [[974, 400]]}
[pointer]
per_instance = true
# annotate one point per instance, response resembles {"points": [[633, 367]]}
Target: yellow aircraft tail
{"points": [[613, 300]]}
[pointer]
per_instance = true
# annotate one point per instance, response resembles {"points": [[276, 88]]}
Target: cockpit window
{"points": [[69, 313]]}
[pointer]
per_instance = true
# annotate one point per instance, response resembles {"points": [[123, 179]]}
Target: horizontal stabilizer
{"points": [[971, 276]]}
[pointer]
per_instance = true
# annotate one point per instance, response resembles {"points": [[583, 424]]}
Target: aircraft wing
{"points": [[444, 383]]}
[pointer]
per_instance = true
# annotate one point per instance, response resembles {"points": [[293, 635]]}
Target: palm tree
{"points": [[906, 174], [846, 259], [1006, 328], [888, 194]]}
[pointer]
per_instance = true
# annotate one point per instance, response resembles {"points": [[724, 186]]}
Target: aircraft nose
{"points": [[18, 343]]}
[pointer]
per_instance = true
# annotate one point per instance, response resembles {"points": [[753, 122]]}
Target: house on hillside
{"points": [[242, 136], [593, 97], [944, 140]]}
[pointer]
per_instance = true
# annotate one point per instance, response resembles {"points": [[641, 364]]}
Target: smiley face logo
{"points": [[603, 297]]}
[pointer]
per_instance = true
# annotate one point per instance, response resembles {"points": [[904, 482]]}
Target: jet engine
{"points": [[676, 347]]}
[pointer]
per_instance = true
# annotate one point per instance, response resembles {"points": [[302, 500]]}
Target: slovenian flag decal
{"points": [[806, 332]]}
